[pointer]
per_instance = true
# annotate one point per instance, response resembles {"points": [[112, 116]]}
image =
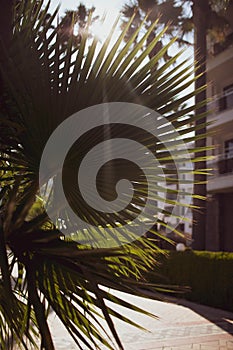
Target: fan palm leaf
{"points": [[45, 83]]}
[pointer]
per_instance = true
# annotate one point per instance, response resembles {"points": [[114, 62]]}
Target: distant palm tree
{"points": [[42, 84], [164, 12], [80, 20]]}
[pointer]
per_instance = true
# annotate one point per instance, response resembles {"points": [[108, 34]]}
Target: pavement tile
{"points": [[181, 325], [212, 343], [223, 342], [209, 347], [183, 347]]}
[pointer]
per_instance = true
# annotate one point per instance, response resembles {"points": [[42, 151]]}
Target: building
{"points": [[219, 235], [179, 188]]}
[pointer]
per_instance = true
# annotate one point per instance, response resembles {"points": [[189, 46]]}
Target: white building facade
{"points": [[220, 185]]}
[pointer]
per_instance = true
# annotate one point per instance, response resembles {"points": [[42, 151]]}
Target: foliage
{"points": [[165, 12], [75, 24], [180, 16], [44, 83], [208, 274]]}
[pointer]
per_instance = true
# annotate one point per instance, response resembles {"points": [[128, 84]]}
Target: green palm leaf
{"points": [[45, 83]]}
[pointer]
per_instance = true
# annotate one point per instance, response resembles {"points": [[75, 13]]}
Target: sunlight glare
{"points": [[102, 27]]}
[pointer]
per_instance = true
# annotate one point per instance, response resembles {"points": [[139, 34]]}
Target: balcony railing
{"points": [[223, 165], [221, 102], [217, 48]]}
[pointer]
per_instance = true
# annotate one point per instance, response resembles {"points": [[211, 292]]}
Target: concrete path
{"points": [[180, 325]]}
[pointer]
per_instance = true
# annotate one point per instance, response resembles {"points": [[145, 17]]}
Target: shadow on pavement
{"points": [[221, 318]]}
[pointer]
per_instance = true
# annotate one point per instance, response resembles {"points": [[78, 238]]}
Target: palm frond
{"points": [[45, 83]]}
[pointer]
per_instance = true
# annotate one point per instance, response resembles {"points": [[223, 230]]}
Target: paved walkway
{"points": [[180, 325]]}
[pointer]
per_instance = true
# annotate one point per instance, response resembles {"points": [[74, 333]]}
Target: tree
{"points": [[80, 20], [207, 16], [201, 10], [151, 11], [43, 84]]}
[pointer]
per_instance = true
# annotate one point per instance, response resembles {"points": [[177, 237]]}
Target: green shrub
{"points": [[208, 274]]}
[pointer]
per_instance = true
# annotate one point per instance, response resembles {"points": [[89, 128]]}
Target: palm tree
{"points": [[201, 10], [43, 83], [79, 19], [151, 11], [206, 16]]}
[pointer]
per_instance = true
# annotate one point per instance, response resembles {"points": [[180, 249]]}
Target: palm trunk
{"points": [[5, 35], [4, 265], [200, 19], [6, 31], [6, 20]]}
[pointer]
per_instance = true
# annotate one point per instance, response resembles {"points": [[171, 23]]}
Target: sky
{"points": [[101, 5], [110, 7]]}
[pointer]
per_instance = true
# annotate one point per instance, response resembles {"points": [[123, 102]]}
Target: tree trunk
{"points": [[5, 35], [6, 31], [200, 19], [6, 20]]}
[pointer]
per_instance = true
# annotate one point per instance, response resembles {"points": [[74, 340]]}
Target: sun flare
{"points": [[101, 28]]}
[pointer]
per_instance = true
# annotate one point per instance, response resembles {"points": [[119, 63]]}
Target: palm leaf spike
{"points": [[64, 82]]}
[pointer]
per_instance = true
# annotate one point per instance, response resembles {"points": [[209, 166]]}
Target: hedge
{"points": [[208, 274]]}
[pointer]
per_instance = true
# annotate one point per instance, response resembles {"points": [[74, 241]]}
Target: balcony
{"points": [[220, 47], [225, 102], [221, 102], [225, 166], [221, 107], [222, 178], [219, 57]]}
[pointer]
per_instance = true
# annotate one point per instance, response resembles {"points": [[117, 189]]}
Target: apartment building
{"points": [[179, 186], [219, 235]]}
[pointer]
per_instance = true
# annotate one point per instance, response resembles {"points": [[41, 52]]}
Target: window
{"points": [[226, 164], [172, 195], [229, 149], [226, 101], [182, 227], [182, 211]]}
